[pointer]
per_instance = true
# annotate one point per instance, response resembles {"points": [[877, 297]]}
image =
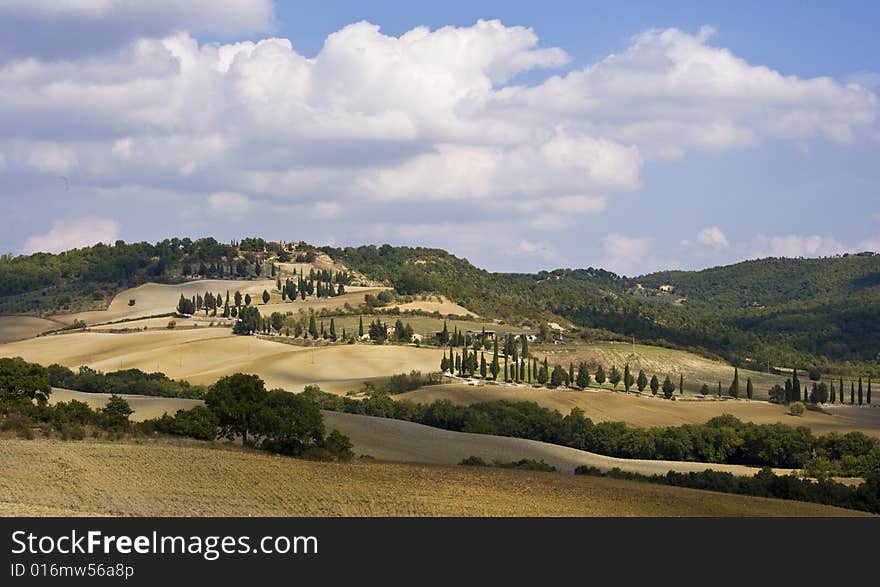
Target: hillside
{"points": [[770, 312], [201, 479]]}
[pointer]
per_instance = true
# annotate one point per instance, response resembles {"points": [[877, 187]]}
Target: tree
{"points": [[277, 321], [834, 393], [733, 390], [852, 393], [114, 415], [750, 389], [641, 381], [795, 386], [265, 297], [655, 384], [22, 380], [557, 378], [248, 321], [543, 373], [236, 400], [719, 389], [483, 365], [570, 373], [860, 390], [444, 363], [525, 345], [361, 327], [681, 384], [704, 390], [627, 378], [868, 398], [332, 330], [444, 335], [288, 423], [237, 299], [614, 376], [247, 299], [583, 376], [185, 306], [313, 327], [494, 367], [600, 375], [668, 387]]}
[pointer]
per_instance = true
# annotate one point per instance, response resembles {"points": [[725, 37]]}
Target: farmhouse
{"points": [[478, 334]]}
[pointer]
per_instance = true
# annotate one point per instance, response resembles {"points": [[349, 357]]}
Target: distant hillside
{"points": [[772, 311], [779, 312]]}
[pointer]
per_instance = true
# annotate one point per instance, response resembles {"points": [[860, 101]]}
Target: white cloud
{"points": [[377, 124], [155, 16], [541, 249], [73, 233], [796, 245], [713, 237], [870, 244], [229, 205], [626, 254]]}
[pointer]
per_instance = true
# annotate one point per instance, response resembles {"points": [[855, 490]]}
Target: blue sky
{"points": [[623, 135]]}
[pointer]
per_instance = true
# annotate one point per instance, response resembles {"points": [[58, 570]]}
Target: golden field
{"points": [[203, 355], [161, 478], [648, 412], [398, 441]]}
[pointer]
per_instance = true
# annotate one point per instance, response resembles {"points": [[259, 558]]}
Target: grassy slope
{"points": [[197, 479], [646, 412]]}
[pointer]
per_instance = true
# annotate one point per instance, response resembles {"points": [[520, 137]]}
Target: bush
{"points": [[339, 445], [796, 409], [198, 422]]}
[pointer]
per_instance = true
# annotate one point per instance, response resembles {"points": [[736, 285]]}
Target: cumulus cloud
{"points": [[713, 237], [796, 245], [84, 26], [73, 233], [627, 254], [377, 126], [229, 205]]}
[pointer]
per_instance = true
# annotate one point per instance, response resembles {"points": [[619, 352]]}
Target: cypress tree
{"points": [[749, 388], [795, 386], [444, 364], [627, 377], [332, 330], [361, 329], [719, 389], [834, 393], [860, 390], [313, 327], [852, 393], [583, 376], [788, 392], [483, 365], [600, 375], [525, 346], [265, 297], [570, 371], [868, 398], [641, 381], [494, 367], [681, 384], [655, 384], [733, 390]]}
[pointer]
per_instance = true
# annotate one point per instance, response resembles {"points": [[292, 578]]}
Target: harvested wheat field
{"points": [[440, 304], [661, 361], [156, 298], [203, 355], [44, 477], [14, 328], [647, 412], [395, 440], [145, 407]]}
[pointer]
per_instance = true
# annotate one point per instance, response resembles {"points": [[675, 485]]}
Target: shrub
{"points": [[796, 409]]}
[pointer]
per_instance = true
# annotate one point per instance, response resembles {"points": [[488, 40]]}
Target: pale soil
{"points": [[203, 355], [156, 298], [14, 328], [44, 477], [353, 296], [445, 306], [395, 440], [647, 412], [661, 361], [145, 407]]}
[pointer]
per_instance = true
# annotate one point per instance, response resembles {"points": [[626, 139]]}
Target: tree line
{"points": [[237, 406], [820, 392]]}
